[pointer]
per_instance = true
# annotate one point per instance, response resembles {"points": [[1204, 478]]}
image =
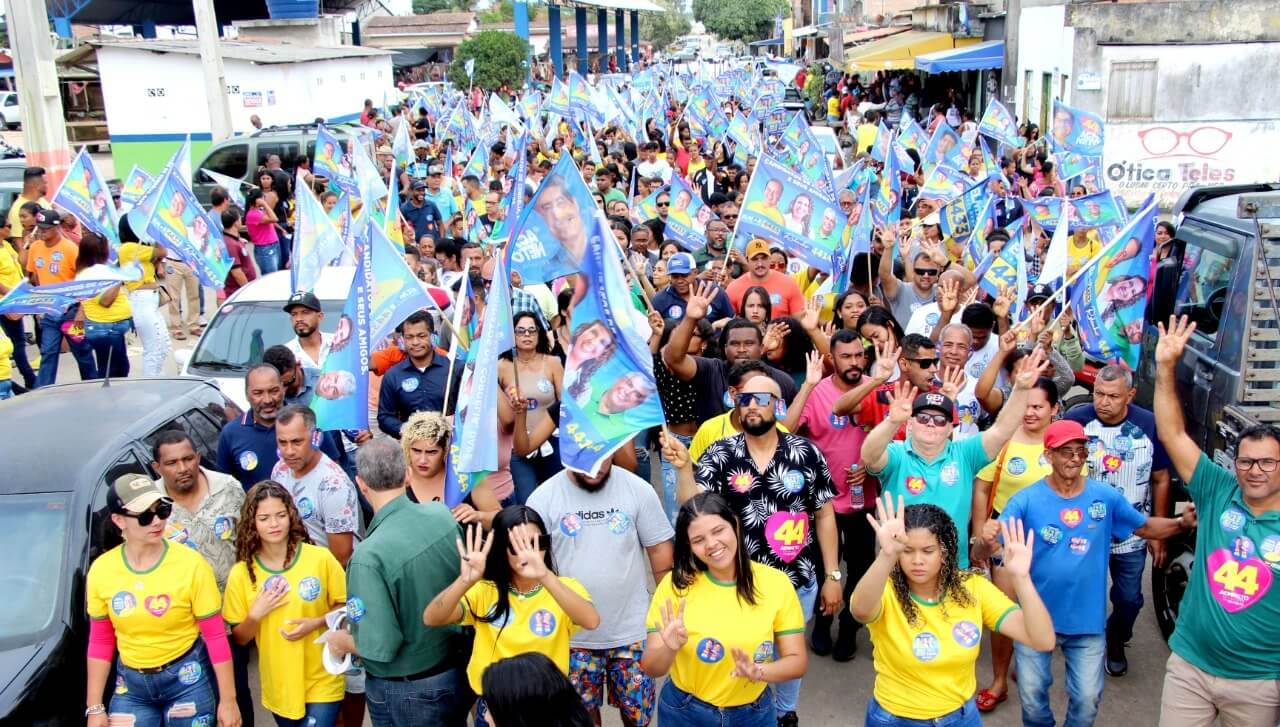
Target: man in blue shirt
{"points": [[1075, 519], [417, 383], [422, 214], [247, 447], [442, 198], [670, 301]]}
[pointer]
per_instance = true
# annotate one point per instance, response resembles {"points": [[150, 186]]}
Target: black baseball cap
{"points": [[1040, 292], [48, 218], [304, 298], [937, 402]]}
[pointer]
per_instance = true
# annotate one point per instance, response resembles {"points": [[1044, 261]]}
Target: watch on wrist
{"points": [[834, 575]]}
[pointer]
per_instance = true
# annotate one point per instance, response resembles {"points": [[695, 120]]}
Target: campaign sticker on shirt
{"points": [[741, 481], [542, 622], [309, 588], [931, 319], [409, 386], [793, 481], [764, 652], [967, 634], [1070, 516], [1234, 584], [786, 533], [1122, 444], [950, 474], [355, 609], [276, 581], [1111, 462], [915, 485], [1242, 548], [248, 461], [1270, 550], [176, 532], [775, 298], [675, 311], [1078, 544], [306, 508], [123, 603], [780, 408], [1232, 519], [531, 403], [157, 605], [189, 673], [1098, 510], [839, 422], [224, 528], [544, 385], [1051, 534], [975, 369], [316, 437], [570, 525], [710, 651], [925, 646], [1016, 465], [619, 522]]}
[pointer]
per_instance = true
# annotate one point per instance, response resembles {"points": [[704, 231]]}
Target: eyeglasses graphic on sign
{"points": [[1202, 141]]}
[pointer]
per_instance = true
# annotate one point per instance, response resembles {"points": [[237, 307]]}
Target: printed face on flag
{"points": [[342, 389], [551, 235], [1076, 131], [1111, 296], [179, 223], [781, 205], [83, 193], [687, 217]]}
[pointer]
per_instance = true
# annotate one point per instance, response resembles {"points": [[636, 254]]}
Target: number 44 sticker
{"points": [[787, 533], [1237, 584]]}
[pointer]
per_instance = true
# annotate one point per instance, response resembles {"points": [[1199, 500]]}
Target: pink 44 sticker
{"points": [[1236, 584], [787, 533]]}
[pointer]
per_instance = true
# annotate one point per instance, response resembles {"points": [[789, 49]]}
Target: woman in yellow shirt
{"points": [[723, 626], [108, 316], [926, 615], [278, 593], [6, 369], [144, 300], [512, 596]]}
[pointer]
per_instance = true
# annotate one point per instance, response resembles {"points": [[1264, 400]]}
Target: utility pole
{"points": [[44, 128], [215, 76], [1009, 74]]}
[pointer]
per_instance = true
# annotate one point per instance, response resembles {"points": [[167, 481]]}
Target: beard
{"points": [[851, 376], [302, 330], [756, 427], [581, 481]]}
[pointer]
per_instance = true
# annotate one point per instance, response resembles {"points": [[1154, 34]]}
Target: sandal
{"points": [[179, 335], [987, 701]]}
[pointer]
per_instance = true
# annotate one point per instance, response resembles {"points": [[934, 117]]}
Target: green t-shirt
{"points": [[1227, 620], [408, 556]]}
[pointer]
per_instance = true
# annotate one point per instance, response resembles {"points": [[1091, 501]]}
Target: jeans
{"points": [[670, 505], [1126, 594], [51, 347], [1084, 656], [6, 390], [965, 716], [319, 714], [152, 331], [678, 708], [107, 342], [180, 695], [529, 472], [441, 700], [267, 257], [786, 695], [14, 331]]}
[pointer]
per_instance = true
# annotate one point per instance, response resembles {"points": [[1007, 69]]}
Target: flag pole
{"points": [[1065, 300], [456, 340]]}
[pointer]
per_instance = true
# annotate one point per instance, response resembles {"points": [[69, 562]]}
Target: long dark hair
{"points": [[589, 369], [247, 541], [878, 315], [93, 250], [763, 295], [497, 568], [686, 566], [840, 299], [528, 690], [544, 339], [950, 578]]}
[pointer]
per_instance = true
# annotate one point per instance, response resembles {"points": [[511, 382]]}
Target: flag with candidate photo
{"points": [[943, 148], [1000, 125], [886, 200], [1008, 269], [781, 206], [799, 149], [957, 217], [134, 186], [1076, 130], [341, 392], [84, 194], [911, 136], [687, 217], [476, 440], [54, 299], [557, 101], [332, 161], [317, 242], [178, 222], [1110, 297], [550, 235]]}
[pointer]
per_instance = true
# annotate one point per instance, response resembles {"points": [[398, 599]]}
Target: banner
{"points": [[557, 101], [332, 162], [135, 185], [1083, 213], [799, 150], [1110, 298], [943, 148], [911, 135], [341, 398], [1076, 131], [54, 299], [230, 185], [550, 236], [180, 224], [1000, 125], [688, 216], [782, 206], [958, 217], [316, 240], [85, 195], [476, 439], [610, 393]]}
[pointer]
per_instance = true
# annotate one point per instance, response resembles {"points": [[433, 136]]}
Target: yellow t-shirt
{"points": [[154, 612], [534, 623], [1024, 464], [1078, 255], [10, 266], [292, 672], [712, 431], [144, 255], [926, 670], [6, 351], [96, 312], [718, 623], [15, 222], [833, 108]]}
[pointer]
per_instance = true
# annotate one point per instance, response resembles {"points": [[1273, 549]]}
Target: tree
{"points": [[500, 60], [744, 20], [422, 7], [504, 11], [662, 29]]}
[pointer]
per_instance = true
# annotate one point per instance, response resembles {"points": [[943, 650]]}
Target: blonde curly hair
{"points": [[428, 425]]}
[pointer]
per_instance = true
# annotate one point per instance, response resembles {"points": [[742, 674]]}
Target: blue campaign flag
{"points": [[799, 149], [1110, 297], [476, 439], [886, 202], [859, 241], [557, 101], [230, 185], [178, 222], [610, 393], [1000, 125], [333, 162], [688, 216], [705, 117], [135, 185], [396, 291], [958, 217], [782, 206], [550, 236], [54, 299], [341, 398], [943, 146], [1007, 269], [1072, 165], [911, 135], [316, 240], [85, 195], [1076, 131]]}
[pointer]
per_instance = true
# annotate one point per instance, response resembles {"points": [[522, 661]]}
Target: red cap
{"points": [[1063, 431]]}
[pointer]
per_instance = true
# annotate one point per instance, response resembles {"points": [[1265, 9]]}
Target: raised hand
{"points": [[744, 666], [1173, 340], [1030, 368], [900, 401], [1008, 342], [673, 450], [1017, 547], [700, 302], [1003, 302], [813, 367], [531, 558], [953, 381], [990, 532], [474, 553], [948, 295], [671, 627], [969, 297], [812, 313], [774, 333], [890, 525], [656, 323]]}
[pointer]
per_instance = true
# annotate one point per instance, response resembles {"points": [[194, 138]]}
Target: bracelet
{"points": [[95, 709]]}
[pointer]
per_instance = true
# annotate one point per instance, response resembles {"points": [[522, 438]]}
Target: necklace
{"points": [[524, 594]]}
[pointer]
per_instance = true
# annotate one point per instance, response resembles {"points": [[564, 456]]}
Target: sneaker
{"points": [[820, 641], [1117, 663], [846, 644], [789, 719]]}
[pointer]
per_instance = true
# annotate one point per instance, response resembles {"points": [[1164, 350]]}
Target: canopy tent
{"points": [[977, 57], [763, 43], [900, 51]]}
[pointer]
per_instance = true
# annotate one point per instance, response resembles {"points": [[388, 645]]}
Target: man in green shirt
{"points": [[1226, 661], [415, 673]]}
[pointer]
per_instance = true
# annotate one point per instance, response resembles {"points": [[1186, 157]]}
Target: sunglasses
{"points": [[762, 399], [162, 510], [926, 272], [924, 363], [543, 544], [526, 330], [932, 420], [729, 217], [664, 204], [1071, 453]]}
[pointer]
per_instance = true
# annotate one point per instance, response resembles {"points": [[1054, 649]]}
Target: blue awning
{"points": [[762, 43], [976, 57]]}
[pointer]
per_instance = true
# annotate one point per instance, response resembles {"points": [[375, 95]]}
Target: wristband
{"points": [[95, 709]]}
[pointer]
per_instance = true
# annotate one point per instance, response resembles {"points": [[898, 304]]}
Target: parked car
{"points": [[240, 156], [54, 523], [10, 110], [793, 100]]}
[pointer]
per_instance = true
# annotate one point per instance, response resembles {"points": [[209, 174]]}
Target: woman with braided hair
{"points": [[925, 615]]}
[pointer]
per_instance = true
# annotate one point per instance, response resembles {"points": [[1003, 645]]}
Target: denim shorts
{"points": [[179, 694]]}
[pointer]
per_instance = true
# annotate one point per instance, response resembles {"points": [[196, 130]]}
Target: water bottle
{"points": [[857, 500]]}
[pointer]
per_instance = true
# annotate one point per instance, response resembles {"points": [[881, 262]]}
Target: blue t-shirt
{"points": [[1073, 547], [247, 450]]}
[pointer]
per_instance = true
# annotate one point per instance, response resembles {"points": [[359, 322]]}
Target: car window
{"points": [[231, 160], [1205, 277], [202, 430], [287, 150], [240, 332], [33, 527], [104, 535], [11, 100]]}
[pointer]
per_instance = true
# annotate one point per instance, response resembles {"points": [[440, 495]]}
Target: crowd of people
{"points": [[895, 457]]}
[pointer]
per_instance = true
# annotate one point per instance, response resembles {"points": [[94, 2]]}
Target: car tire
{"points": [[1169, 582], [4, 123]]}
